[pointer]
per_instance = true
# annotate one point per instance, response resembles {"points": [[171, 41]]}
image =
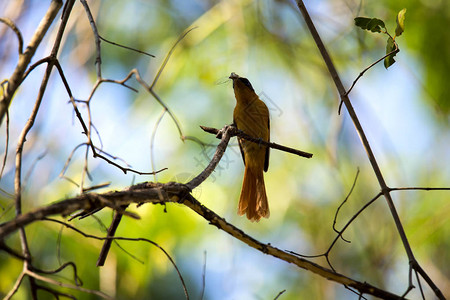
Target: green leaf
{"points": [[389, 60], [371, 24], [400, 22]]}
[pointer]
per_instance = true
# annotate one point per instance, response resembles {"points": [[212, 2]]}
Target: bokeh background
{"points": [[404, 111]]}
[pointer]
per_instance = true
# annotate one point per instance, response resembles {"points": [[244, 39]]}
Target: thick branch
{"points": [[140, 193]]}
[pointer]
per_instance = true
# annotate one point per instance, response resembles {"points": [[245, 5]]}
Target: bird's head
{"points": [[240, 83]]}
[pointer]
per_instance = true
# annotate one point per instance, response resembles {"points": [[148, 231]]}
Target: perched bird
{"points": [[251, 116]]}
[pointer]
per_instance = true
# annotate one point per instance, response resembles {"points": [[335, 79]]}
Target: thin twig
{"points": [[343, 202], [98, 58], [279, 294], [202, 294], [341, 232], [56, 293], [416, 188], [16, 30], [66, 285], [125, 47], [241, 134], [15, 286], [6, 146], [152, 142], [396, 50]]}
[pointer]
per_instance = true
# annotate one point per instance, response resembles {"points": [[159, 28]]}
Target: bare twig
{"points": [[125, 47], [98, 59], [202, 294], [416, 188], [15, 286], [279, 294], [56, 293], [343, 202], [241, 134], [6, 146], [97, 152], [341, 232], [111, 232], [4, 103]]}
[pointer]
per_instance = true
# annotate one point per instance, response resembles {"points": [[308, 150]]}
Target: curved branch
{"points": [[8, 22]]}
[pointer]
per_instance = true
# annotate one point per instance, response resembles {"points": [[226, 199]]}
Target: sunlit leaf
{"points": [[400, 22], [390, 46]]}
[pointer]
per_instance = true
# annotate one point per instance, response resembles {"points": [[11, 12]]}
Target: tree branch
{"points": [[241, 134], [384, 188]]}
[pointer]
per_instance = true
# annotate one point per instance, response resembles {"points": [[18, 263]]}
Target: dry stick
{"points": [[241, 134], [24, 58], [54, 8], [384, 188]]}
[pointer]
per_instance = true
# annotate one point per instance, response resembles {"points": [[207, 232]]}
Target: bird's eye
{"points": [[246, 82]]}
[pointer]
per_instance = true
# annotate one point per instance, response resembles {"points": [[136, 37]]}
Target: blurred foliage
{"points": [[267, 42]]}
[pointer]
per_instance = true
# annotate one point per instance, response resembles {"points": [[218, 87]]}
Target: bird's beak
{"points": [[234, 76]]}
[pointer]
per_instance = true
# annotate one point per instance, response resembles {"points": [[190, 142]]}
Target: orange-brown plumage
{"points": [[251, 115]]}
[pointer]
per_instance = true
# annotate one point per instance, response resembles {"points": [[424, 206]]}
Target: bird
{"points": [[251, 115]]}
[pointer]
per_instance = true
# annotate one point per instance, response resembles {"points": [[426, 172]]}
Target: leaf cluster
{"points": [[378, 26]]}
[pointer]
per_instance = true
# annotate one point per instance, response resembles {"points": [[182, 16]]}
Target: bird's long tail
{"points": [[253, 200]]}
